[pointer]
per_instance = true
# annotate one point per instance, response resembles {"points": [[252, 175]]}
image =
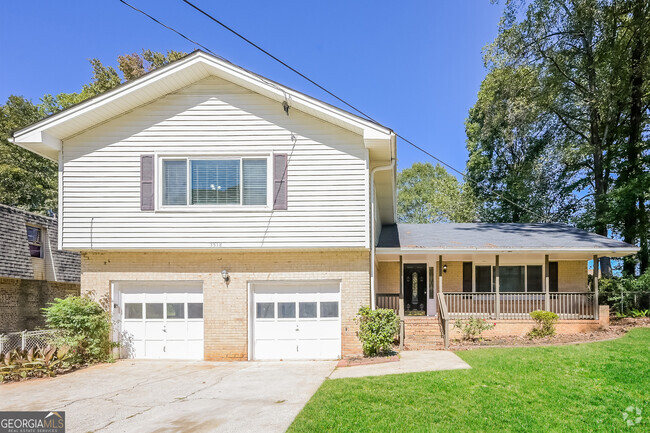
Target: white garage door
{"points": [[292, 321], [162, 320]]}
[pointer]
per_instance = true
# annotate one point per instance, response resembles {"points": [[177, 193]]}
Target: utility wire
{"points": [[170, 28], [239, 35]]}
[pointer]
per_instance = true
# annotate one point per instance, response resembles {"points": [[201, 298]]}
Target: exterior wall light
{"points": [[444, 268]]}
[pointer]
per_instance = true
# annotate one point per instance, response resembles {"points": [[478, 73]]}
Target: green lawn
{"points": [[575, 388]]}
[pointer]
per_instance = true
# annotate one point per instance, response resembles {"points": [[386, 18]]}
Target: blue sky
{"points": [[415, 66]]}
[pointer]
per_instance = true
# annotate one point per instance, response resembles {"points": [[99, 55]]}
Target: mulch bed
{"points": [[617, 328], [354, 361]]}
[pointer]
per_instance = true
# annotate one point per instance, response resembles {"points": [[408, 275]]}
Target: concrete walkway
{"points": [[414, 361]]}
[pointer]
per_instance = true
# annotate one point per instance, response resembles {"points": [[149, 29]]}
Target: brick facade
{"points": [[387, 277], [21, 301], [226, 318]]}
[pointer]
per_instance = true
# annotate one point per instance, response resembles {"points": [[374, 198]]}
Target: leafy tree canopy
{"points": [[429, 194], [29, 181]]}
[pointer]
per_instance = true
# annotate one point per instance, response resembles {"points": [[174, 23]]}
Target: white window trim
{"points": [[160, 157]]}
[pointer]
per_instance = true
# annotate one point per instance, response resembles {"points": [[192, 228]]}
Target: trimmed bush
{"points": [[377, 330], [472, 328], [545, 324], [86, 328]]}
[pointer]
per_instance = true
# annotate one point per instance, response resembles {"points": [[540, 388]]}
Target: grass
{"points": [[574, 388]]}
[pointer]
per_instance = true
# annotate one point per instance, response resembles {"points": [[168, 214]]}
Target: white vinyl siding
{"points": [[327, 176]]}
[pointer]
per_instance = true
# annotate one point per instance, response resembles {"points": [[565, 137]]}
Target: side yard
{"points": [[576, 388]]}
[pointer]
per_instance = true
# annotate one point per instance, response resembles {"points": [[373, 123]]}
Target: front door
{"points": [[415, 289]]}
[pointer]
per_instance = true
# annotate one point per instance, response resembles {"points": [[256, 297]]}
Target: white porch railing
{"points": [[517, 306]]}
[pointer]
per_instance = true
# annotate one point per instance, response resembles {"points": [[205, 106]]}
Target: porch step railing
{"points": [[388, 300], [444, 319], [517, 306]]}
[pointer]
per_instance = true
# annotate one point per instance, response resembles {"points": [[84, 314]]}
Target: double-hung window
{"points": [[214, 181]]}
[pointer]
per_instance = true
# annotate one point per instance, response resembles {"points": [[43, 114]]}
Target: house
{"points": [[33, 272], [229, 217]]}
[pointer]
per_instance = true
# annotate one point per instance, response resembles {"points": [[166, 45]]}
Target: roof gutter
{"points": [[373, 240]]}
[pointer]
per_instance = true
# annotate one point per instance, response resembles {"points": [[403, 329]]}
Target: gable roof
{"points": [[473, 237], [45, 136]]}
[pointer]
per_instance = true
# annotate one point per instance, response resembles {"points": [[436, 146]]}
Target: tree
{"points": [[29, 181], [578, 69], [428, 194]]}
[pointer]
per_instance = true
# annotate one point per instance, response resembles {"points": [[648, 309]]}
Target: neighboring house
{"points": [[32, 271], [230, 217]]}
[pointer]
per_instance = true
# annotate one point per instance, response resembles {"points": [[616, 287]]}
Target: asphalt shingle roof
{"points": [[498, 236], [15, 260]]}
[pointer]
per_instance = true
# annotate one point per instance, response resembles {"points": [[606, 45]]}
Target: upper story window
{"points": [[214, 181], [34, 238]]}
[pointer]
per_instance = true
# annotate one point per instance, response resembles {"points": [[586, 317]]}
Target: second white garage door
{"points": [[296, 321]]}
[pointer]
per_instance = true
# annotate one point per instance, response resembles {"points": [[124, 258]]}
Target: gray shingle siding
{"points": [[498, 236], [15, 260]]}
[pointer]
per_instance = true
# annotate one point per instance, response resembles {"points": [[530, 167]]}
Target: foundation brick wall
{"points": [[521, 327], [226, 309]]}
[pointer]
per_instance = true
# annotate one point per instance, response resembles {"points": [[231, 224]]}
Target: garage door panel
{"points": [[176, 331], [154, 348], [296, 331], [329, 329], [195, 330], [329, 346], [174, 348]]}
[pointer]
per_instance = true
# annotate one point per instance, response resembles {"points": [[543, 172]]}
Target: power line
{"points": [[239, 35], [172, 29]]}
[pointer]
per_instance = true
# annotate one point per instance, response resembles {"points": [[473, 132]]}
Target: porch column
{"points": [[497, 306], [440, 273], [547, 285], [401, 304], [596, 269]]}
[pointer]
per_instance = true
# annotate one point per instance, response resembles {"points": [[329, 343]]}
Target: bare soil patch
{"points": [[617, 328], [361, 360]]}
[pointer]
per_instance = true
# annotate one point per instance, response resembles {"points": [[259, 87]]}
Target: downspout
{"points": [[373, 241]]}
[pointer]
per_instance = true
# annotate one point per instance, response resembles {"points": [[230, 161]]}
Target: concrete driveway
{"points": [[174, 396]]}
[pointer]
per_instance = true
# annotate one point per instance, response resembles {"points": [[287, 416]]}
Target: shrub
{"points": [[545, 324], [86, 327], [377, 330], [472, 328], [627, 293]]}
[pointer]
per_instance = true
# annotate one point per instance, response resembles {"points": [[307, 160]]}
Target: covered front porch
{"points": [[491, 286], [431, 274]]}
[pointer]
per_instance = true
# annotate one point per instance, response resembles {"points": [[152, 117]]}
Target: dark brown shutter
{"points": [[146, 182], [552, 271], [467, 276], [280, 181]]}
